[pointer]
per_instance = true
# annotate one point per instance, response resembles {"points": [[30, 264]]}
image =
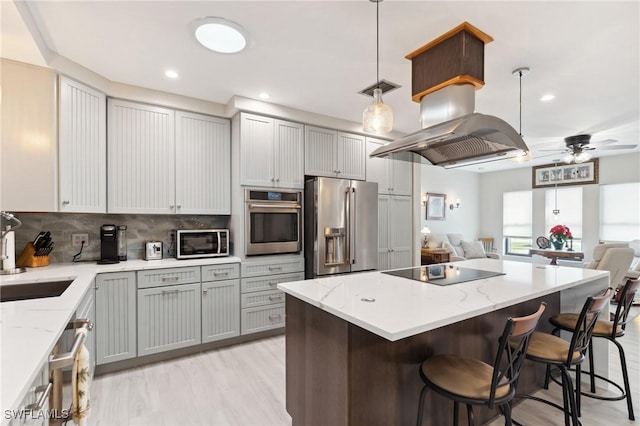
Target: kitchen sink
{"points": [[37, 290]]}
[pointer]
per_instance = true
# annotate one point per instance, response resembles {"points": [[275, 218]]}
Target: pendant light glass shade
{"points": [[377, 117]]}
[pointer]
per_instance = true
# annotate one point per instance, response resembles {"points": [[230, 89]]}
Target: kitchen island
{"points": [[354, 342]]}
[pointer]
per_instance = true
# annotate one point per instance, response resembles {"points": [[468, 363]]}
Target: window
{"points": [[619, 207], [517, 222], [569, 202]]}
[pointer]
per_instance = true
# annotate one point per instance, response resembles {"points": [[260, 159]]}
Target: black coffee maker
{"points": [[108, 245]]}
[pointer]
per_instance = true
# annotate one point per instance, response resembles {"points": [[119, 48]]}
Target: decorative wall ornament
{"points": [[563, 175], [436, 204]]}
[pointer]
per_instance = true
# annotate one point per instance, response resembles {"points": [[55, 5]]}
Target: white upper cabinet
{"points": [[394, 174], [141, 166], [165, 162], [82, 148], [334, 154], [28, 180], [203, 164], [271, 152]]}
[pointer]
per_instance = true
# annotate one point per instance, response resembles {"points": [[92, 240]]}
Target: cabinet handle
{"points": [[45, 390], [272, 317], [277, 179], [179, 206], [275, 268], [165, 279], [65, 202], [272, 297], [220, 274], [273, 283], [171, 206], [204, 291], [272, 179], [169, 291]]}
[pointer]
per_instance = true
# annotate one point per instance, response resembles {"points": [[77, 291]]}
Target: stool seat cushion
{"points": [[551, 348], [462, 376], [568, 322]]}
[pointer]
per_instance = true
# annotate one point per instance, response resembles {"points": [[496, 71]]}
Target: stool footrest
{"points": [[544, 401]]}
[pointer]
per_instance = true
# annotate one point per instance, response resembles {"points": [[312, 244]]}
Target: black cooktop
{"points": [[443, 274]]}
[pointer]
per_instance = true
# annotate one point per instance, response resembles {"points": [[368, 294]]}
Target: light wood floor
{"points": [[244, 385]]}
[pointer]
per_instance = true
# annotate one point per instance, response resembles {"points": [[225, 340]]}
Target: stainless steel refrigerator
{"points": [[341, 226]]}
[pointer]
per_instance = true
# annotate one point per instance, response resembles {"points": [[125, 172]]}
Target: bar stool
{"points": [[473, 382], [553, 351], [609, 330]]}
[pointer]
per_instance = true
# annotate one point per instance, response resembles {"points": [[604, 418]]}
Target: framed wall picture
{"points": [[565, 174], [436, 206]]}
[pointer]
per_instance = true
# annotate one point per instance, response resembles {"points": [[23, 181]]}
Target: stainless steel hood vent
{"points": [[470, 139], [445, 74]]}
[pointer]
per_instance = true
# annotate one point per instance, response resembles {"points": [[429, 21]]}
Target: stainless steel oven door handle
{"points": [[275, 206]]}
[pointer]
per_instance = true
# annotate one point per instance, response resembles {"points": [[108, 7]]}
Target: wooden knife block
{"points": [[28, 257]]}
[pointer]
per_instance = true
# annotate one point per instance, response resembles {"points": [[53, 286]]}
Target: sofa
{"points": [[634, 270], [458, 248]]}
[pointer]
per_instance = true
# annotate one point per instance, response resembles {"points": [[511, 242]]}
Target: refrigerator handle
{"points": [[347, 212], [352, 228]]}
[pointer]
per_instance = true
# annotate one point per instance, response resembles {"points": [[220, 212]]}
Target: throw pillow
{"points": [[473, 250], [448, 247], [459, 250]]}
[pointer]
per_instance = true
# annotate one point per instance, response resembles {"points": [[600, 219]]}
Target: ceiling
{"points": [[316, 55]]}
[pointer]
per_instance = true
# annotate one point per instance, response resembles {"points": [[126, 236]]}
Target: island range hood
{"points": [[445, 74]]}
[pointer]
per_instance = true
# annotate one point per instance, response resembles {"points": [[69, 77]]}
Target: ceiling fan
{"points": [[578, 147]]}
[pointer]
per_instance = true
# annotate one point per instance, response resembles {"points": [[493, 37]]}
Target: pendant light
{"points": [[520, 72], [377, 117], [555, 210]]}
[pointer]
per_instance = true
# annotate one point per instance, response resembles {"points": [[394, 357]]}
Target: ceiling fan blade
{"points": [[555, 150], [604, 142], [617, 147]]}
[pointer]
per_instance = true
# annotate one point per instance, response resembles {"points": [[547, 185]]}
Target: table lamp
{"points": [[424, 231]]}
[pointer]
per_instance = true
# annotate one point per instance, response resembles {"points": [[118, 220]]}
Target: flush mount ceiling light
{"points": [[221, 35], [377, 117], [548, 97], [171, 74]]}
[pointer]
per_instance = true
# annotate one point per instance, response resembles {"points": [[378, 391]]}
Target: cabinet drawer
{"points": [[261, 298], [268, 282], [173, 276], [269, 267], [220, 272], [262, 318]]}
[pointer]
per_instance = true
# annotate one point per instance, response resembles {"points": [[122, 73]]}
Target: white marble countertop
{"points": [[405, 307], [29, 329]]}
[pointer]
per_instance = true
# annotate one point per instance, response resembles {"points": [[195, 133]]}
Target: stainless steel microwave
{"points": [[273, 221], [197, 243]]}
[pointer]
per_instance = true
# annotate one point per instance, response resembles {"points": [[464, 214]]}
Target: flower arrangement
{"points": [[558, 235]]}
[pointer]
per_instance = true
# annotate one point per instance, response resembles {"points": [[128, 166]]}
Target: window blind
{"points": [[517, 216], [620, 212], [569, 202]]}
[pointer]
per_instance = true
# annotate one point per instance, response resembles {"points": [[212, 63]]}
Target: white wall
{"points": [[457, 184], [613, 169]]}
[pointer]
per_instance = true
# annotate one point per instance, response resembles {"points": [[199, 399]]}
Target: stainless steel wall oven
{"points": [[273, 221]]}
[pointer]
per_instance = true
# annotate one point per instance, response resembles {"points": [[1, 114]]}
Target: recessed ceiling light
{"points": [[171, 74], [264, 95], [221, 35], [548, 97]]}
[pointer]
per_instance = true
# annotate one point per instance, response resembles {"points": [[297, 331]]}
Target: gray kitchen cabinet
{"points": [[334, 154], [168, 318], [220, 310], [115, 310], [394, 232], [220, 301], [393, 174], [262, 304], [271, 152], [82, 148], [161, 161], [168, 276]]}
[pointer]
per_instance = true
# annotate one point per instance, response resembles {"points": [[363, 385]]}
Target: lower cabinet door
{"points": [[168, 318], [262, 318], [220, 310], [115, 310]]}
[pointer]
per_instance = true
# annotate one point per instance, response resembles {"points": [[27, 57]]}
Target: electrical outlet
{"points": [[77, 239]]}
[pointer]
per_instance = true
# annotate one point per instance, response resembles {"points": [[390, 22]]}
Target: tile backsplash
{"points": [[140, 228]]}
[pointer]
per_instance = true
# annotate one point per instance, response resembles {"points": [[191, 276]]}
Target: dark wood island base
{"points": [[340, 374]]}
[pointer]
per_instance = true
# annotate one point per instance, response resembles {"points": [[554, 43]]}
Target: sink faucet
{"points": [[7, 246]]}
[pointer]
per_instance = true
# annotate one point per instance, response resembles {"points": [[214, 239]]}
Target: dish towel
{"points": [[80, 381]]}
